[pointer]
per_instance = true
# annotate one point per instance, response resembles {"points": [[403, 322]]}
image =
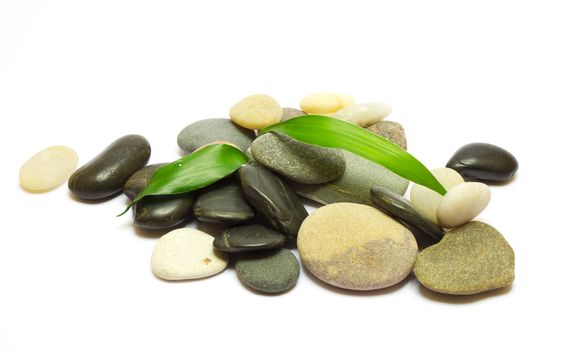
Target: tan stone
{"points": [[426, 201], [256, 112], [325, 103], [462, 204], [48, 169]]}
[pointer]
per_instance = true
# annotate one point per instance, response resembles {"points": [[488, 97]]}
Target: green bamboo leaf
{"points": [[196, 170], [331, 132]]}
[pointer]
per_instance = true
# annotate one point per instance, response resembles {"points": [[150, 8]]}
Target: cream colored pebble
{"points": [[48, 169], [462, 204], [364, 114], [325, 103], [256, 112], [427, 201]]}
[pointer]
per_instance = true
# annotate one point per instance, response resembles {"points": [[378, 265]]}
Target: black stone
{"points": [[139, 180], [272, 197], [105, 175], [223, 203], [425, 231], [484, 162], [248, 238]]}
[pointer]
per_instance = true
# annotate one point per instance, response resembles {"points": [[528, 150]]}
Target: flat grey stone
{"points": [[204, 131], [268, 272]]}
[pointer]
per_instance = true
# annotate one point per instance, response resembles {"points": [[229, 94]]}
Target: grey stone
{"points": [[268, 272], [248, 238], [223, 203], [205, 131], [391, 131], [289, 113]]}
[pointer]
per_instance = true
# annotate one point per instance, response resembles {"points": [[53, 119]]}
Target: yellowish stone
{"points": [[48, 169], [256, 112], [325, 103], [462, 204], [426, 201]]}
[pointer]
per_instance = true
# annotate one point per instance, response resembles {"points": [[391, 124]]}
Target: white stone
{"points": [[256, 112], [325, 103], [185, 254], [48, 169], [425, 200], [462, 204], [364, 114]]}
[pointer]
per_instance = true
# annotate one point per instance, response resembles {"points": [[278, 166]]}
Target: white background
{"points": [[82, 73]]}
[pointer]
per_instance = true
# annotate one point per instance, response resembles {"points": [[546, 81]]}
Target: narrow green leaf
{"points": [[331, 132], [196, 170]]}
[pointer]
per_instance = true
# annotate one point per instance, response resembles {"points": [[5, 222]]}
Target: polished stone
{"points": [[248, 238], [484, 162], [223, 203]]}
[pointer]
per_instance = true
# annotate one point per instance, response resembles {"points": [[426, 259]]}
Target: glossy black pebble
{"points": [[248, 238], [483, 162], [425, 231], [139, 180], [105, 175], [223, 203]]}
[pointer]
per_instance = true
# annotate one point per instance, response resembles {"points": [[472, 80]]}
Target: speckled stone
{"points": [[391, 131], [298, 161], [223, 203], [289, 113], [471, 259], [207, 131], [355, 184], [248, 238], [356, 247], [268, 272], [484, 162]]}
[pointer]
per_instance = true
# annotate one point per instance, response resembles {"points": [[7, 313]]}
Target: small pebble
{"points": [[289, 113], [256, 112], [325, 103], [364, 114], [425, 200], [268, 272], [206, 131], [185, 254], [48, 169], [462, 204], [390, 130], [471, 259], [139, 180], [484, 162], [223, 203], [248, 238], [356, 247]]}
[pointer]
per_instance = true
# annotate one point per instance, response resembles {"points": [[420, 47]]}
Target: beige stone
{"points": [[48, 169], [462, 204], [364, 114], [325, 103], [256, 112], [426, 201]]}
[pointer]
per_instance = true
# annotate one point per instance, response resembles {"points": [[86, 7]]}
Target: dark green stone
{"points": [[270, 271], [483, 162], [425, 231], [248, 238], [223, 203], [273, 198], [105, 175], [139, 180]]}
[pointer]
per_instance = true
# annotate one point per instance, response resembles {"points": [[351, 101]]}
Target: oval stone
{"points": [[426, 232], [139, 180], [462, 204], [248, 238], [105, 175], [471, 259], [256, 112], [268, 272], [325, 103], [356, 247], [390, 130], [484, 162], [185, 254], [298, 161], [48, 169], [364, 114], [211, 130], [289, 113], [223, 203], [273, 198], [427, 201]]}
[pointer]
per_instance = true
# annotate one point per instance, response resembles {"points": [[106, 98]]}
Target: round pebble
{"points": [[256, 112], [484, 162], [48, 169], [425, 200], [268, 272], [390, 130], [355, 246], [364, 114], [185, 254], [462, 204], [325, 103], [206, 131]]}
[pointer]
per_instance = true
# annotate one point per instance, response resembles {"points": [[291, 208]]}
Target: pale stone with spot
{"points": [[256, 112], [364, 114], [462, 204], [185, 254], [325, 103], [355, 246], [426, 201], [48, 169]]}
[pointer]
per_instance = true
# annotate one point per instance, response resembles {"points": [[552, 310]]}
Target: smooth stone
{"points": [[325, 103], [298, 161], [105, 175], [207, 131], [256, 112], [355, 184], [462, 204], [289, 113], [471, 259], [427, 201], [390, 130], [248, 238], [185, 254], [223, 203], [484, 162], [48, 169], [356, 247], [425, 231], [139, 180], [273, 198], [364, 114], [268, 272]]}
